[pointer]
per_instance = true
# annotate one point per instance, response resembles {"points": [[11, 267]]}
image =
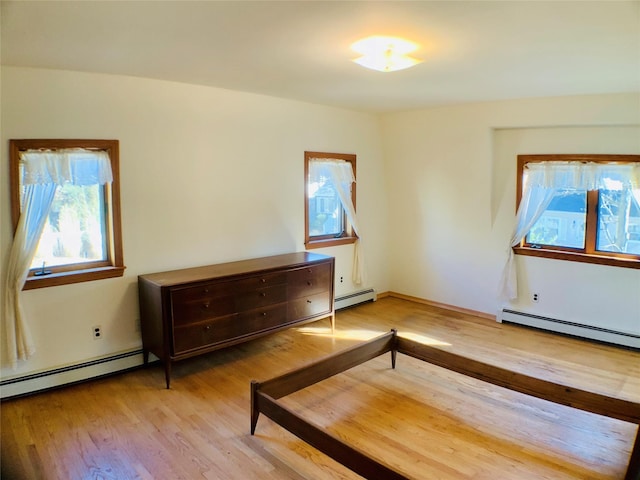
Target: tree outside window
{"points": [[326, 222], [594, 223], [81, 237]]}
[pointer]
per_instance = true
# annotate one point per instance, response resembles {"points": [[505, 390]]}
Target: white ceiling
{"points": [[472, 50]]}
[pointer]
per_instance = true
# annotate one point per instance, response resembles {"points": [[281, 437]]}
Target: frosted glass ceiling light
{"points": [[385, 54]]}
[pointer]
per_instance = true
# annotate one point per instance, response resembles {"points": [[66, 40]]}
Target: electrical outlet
{"points": [[535, 297], [97, 332]]}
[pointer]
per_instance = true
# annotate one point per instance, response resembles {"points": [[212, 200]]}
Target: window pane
{"points": [[563, 223], [326, 215], [75, 229], [619, 221]]}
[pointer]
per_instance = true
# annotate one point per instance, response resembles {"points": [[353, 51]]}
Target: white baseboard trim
{"points": [[601, 334], [355, 298], [31, 383]]}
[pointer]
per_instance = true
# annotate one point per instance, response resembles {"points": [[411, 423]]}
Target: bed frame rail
{"points": [[330, 445], [519, 382], [264, 397]]}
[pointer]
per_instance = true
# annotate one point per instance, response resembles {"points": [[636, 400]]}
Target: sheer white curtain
{"points": [[534, 202], [543, 180], [341, 174], [41, 174], [635, 183]]}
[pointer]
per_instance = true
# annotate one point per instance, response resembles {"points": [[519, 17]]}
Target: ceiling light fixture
{"points": [[385, 54]]}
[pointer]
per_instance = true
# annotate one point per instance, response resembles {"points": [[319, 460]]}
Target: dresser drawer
{"points": [[207, 291], [309, 306], [198, 335], [261, 281], [194, 311], [260, 297], [309, 280], [202, 292], [263, 319], [217, 330]]}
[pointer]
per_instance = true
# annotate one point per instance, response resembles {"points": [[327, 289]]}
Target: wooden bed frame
{"points": [[265, 395]]}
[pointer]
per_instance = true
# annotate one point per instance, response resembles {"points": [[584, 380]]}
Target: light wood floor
{"points": [[422, 420]]}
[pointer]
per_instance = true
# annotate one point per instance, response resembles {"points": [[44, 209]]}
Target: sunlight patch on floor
{"points": [[340, 334], [416, 337], [364, 335]]}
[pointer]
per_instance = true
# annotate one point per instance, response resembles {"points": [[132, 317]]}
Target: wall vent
{"points": [[355, 298], [626, 339]]}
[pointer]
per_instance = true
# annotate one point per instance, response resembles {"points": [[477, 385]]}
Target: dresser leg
{"points": [[167, 372], [255, 412], [333, 322]]}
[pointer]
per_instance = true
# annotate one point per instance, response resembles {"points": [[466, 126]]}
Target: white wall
{"points": [[207, 176], [211, 175], [451, 171]]}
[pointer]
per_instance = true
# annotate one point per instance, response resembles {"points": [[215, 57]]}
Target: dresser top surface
{"points": [[212, 272]]}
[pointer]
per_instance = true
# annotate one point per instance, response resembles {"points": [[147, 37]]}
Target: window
{"points": [[81, 236], [327, 222], [588, 208]]}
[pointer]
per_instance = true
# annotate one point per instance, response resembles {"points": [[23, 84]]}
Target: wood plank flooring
{"points": [[422, 420]]}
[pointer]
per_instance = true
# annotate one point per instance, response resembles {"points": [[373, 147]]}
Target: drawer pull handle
{"points": [[308, 301], [264, 314], [264, 280], [309, 283], [206, 290], [309, 270], [263, 294], [206, 305], [207, 328]]}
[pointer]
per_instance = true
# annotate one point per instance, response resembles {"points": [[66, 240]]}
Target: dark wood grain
{"points": [[326, 367]]}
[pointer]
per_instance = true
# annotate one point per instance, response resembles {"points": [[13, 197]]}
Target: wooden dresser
{"points": [[192, 311]]}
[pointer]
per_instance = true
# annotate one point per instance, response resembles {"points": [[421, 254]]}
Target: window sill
{"points": [[66, 278], [578, 257], [329, 242]]}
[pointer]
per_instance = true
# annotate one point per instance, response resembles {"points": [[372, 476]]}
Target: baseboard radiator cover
{"points": [[355, 298], [571, 328], [45, 380]]}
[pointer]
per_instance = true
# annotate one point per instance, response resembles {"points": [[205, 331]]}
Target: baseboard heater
{"points": [[571, 328], [31, 383], [355, 298]]}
